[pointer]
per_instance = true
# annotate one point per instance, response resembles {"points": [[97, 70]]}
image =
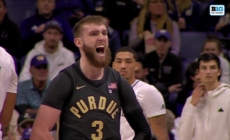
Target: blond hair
{"points": [[87, 20], [164, 18]]}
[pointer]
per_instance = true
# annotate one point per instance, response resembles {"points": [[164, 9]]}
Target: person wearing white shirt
{"points": [[8, 88], [205, 115], [52, 47], [213, 45], [148, 96]]}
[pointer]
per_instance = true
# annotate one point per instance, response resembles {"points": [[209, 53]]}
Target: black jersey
{"points": [[90, 109]]}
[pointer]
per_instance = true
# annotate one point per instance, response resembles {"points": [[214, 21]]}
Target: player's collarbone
{"points": [[82, 107]]}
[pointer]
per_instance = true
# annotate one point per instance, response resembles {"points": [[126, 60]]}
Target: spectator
{"points": [[141, 73], [192, 80], [185, 12], [223, 25], [79, 7], [206, 113], [213, 45], [114, 38], [9, 32], [11, 131], [122, 12], [165, 69], [208, 22], [52, 47], [33, 27], [30, 92], [73, 10], [153, 17], [25, 124]]}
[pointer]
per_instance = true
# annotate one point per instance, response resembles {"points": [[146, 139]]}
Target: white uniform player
{"points": [[151, 102], [8, 87], [150, 99]]}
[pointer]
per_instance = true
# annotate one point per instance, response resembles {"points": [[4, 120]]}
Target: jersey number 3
{"points": [[99, 135]]}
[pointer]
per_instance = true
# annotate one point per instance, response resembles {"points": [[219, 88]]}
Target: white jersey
{"points": [[8, 78], [151, 102]]}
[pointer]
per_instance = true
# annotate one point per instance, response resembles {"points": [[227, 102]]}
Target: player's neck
{"points": [[131, 80], [212, 86], [90, 71]]}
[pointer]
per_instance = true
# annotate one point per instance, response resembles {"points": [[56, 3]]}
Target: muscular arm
{"points": [[7, 110], [154, 108], [159, 127], [9, 103], [45, 120], [50, 110]]}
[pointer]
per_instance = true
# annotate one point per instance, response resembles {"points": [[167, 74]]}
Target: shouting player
{"points": [[8, 88], [149, 97], [88, 95]]}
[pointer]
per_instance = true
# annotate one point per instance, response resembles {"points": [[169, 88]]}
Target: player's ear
{"points": [[137, 65], [78, 42], [219, 72]]}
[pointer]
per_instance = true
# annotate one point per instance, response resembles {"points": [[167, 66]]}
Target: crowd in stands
{"points": [[42, 45]]}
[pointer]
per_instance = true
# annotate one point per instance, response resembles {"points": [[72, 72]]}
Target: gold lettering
{"points": [[111, 107], [102, 103], [114, 113], [82, 106], [75, 111], [92, 104]]}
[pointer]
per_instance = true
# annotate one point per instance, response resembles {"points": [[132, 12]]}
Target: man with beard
{"points": [[58, 56], [88, 96], [150, 99]]}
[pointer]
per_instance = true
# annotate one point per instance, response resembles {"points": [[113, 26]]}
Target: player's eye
{"points": [[105, 33], [93, 33], [213, 67]]}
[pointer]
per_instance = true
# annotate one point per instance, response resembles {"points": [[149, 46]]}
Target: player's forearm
{"points": [[158, 125], [41, 135], [139, 125]]}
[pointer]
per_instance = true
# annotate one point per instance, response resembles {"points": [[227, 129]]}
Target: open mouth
{"points": [[100, 50]]}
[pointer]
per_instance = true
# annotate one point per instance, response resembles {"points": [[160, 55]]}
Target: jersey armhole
{"points": [[118, 81], [70, 95]]}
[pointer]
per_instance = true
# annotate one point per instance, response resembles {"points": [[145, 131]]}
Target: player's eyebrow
{"points": [[128, 59], [118, 58], [93, 31]]}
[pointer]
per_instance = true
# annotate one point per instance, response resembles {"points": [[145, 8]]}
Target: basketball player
{"points": [[88, 95], [149, 97], [206, 112], [8, 88]]}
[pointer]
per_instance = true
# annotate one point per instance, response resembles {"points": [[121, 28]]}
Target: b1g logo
{"points": [[217, 10]]}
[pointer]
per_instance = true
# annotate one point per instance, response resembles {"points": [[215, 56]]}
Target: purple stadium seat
{"points": [[26, 8], [191, 44]]}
